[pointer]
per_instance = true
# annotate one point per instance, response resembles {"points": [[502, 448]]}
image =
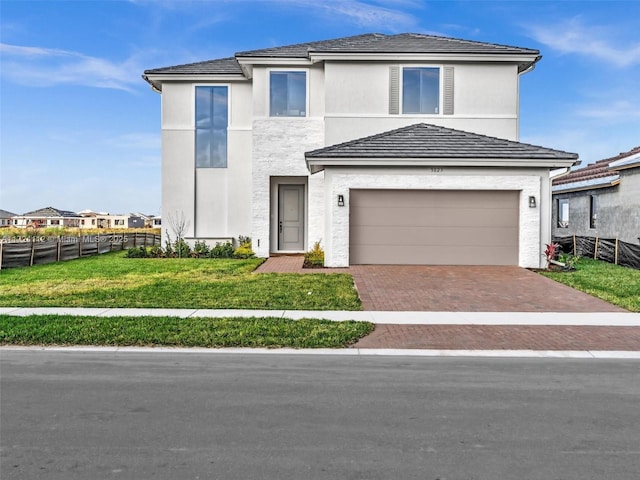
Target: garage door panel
{"points": [[417, 237], [445, 255], [438, 227], [433, 217]]}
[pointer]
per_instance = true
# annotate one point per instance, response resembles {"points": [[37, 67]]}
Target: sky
{"points": [[80, 129]]}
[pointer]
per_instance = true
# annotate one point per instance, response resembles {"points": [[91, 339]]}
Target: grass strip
{"points": [[612, 283], [267, 332], [111, 280]]}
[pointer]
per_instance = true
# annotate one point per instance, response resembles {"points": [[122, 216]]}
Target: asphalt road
{"points": [[81, 415]]}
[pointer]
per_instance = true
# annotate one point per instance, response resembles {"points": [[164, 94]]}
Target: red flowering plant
{"points": [[551, 252]]}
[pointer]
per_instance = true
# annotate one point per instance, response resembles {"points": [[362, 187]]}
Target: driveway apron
{"points": [[467, 289]]}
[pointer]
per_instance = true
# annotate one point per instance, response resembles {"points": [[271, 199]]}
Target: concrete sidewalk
{"points": [[512, 334]]}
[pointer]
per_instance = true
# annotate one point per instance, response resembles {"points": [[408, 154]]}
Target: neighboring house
{"points": [[398, 149], [93, 219], [5, 218], [47, 217], [600, 200]]}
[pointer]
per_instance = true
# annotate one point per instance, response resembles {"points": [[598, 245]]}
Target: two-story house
{"points": [[391, 149]]}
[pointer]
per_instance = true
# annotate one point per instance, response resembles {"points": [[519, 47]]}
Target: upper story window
{"points": [[288, 94], [421, 90], [212, 120]]}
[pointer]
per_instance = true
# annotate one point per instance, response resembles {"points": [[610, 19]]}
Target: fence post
{"points": [[616, 255], [59, 249], [33, 252], [79, 245], [575, 247], [595, 250], [1, 245], [98, 244], [135, 237]]}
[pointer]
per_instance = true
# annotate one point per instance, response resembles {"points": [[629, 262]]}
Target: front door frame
{"points": [[275, 183]]}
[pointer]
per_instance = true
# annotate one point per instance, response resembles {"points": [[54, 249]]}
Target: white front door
{"points": [[291, 217]]}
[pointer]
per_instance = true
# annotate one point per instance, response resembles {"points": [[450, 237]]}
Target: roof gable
{"points": [[50, 212]]}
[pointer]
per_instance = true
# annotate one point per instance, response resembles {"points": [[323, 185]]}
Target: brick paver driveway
{"points": [[454, 288], [467, 289]]}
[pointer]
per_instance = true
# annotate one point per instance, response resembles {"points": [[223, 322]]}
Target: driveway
{"points": [[430, 288], [467, 289]]}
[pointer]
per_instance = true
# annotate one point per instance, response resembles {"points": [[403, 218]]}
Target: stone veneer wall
{"points": [[278, 151]]}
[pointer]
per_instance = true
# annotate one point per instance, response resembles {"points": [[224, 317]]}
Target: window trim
{"points": [[268, 93], [440, 68], [195, 126]]}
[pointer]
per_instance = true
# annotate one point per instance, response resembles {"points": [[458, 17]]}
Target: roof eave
{"points": [[156, 80], [558, 189], [316, 164]]}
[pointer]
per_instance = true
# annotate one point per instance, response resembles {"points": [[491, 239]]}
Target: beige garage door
{"points": [[433, 227]]}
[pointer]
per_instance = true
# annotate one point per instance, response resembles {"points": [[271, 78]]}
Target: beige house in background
{"points": [[397, 149]]}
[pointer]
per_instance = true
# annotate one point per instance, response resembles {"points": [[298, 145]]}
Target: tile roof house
{"points": [[601, 199], [5, 218], [395, 149], [47, 217]]}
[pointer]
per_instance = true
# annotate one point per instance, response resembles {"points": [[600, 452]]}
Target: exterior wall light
{"points": [[532, 202], [341, 200]]}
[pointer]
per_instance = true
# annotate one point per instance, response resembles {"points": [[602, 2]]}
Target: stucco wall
{"points": [[357, 100], [341, 181], [618, 211], [215, 202]]}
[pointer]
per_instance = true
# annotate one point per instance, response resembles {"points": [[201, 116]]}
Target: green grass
{"points": [[179, 332], [111, 280], [612, 283]]}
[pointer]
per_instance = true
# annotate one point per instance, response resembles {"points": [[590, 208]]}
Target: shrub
{"points": [[200, 250], [181, 248], [222, 250], [314, 258], [245, 249], [137, 252], [157, 252]]}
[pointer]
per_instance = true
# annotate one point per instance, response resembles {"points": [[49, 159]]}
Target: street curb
{"points": [[566, 354]]}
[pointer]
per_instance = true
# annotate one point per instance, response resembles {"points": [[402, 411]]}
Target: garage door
{"points": [[433, 227]]}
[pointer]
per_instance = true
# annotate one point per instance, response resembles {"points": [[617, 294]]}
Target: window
{"points": [[212, 119], [593, 211], [563, 213], [421, 90], [288, 94]]}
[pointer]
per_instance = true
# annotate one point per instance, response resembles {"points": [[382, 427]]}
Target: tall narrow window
{"points": [[593, 211], [563, 213], [288, 94], [212, 118], [421, 90]]}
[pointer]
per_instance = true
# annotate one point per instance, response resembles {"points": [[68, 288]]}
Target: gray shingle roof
{"points": [[370, 43], [434, 142], [50, 212], [222, 66], [380, 43]]}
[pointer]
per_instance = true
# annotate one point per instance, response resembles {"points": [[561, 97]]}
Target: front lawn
{"points": [[266, 332], [111, 280], [612, 283]]}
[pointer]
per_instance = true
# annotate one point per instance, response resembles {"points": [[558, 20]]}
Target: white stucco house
{"points": [[398, 149]]}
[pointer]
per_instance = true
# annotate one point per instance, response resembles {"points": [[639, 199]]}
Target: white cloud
{"points": [[44, 67], [599, 43]]}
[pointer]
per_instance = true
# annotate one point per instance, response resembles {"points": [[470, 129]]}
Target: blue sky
{"points": [[80, 129]]}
